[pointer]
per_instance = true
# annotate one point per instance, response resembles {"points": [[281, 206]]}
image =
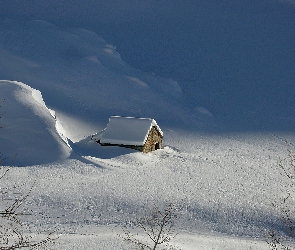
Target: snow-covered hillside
{"points": [[82, 76], [222, 185], [234, 58], [69, 82]]}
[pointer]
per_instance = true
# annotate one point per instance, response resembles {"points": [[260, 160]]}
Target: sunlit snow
{"points": [[222, 185]]}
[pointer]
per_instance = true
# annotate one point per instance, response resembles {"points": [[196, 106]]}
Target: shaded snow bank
{"points": [[80, 75], [29, 135]]}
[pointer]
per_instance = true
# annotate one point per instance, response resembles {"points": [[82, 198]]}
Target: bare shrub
{"points": [[157, 227], [285, 205]]}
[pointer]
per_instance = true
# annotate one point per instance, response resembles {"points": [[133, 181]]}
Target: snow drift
{"points": [[28, 134]]}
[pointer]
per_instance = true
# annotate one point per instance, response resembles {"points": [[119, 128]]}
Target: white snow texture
{"points": [[222, 185]]}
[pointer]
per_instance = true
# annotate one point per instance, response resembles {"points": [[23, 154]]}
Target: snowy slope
{"points": [[234, 58], [222, 185], [28, 134], [82, 76]]}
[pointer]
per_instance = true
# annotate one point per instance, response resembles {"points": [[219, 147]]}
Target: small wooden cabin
{"points": [[142, 134]]}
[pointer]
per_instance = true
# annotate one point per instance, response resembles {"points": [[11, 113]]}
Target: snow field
{"points": [[219, 184]]}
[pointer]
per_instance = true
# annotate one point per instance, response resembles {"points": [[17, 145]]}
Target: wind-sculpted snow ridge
{"points": [[29, 133]]}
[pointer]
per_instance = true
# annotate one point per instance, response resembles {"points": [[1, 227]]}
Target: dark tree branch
{"points": [[158, 225], [285, 205]]}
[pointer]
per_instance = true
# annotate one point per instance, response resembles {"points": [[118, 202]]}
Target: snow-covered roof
{"points": [[128, 130]]}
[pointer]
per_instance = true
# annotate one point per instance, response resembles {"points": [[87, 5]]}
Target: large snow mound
{"points": [[28, 134]]}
